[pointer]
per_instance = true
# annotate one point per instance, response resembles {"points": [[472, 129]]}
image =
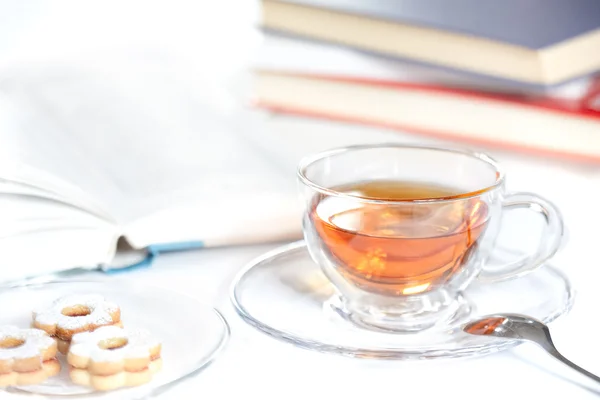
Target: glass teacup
{"points": [[401, 231]]}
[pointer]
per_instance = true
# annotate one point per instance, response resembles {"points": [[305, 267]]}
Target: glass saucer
{"points": [[192, 333], [285, 295]]}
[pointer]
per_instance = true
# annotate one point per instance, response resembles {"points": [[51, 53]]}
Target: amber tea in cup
{"points": [[399, 248], [400, 231]]}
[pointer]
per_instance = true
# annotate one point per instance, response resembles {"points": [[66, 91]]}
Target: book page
{"points": [[139, 149], [24, 213], [41, 252], [219, 221], [291, 55], [40, 236], [145, 122], [37, 157]]}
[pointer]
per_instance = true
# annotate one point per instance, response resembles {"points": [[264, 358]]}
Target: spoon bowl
{"points": [[521, 327]]}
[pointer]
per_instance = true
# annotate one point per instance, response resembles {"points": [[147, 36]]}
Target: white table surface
{"points": [[256, 365]]}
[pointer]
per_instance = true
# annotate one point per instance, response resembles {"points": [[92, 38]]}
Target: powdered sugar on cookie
{"points": [[66, 312], [111, 343], [24, 343]]}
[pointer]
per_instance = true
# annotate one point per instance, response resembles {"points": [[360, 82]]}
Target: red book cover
{"points": [[587, 107]]}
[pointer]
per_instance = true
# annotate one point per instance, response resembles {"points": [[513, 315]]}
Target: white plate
{"points": [[192, 333]]}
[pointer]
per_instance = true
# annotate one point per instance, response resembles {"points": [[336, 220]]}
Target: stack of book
{"points": [[515, 75]]}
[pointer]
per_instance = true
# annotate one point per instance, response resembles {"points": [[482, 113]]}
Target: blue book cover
{"points": [[525, 41], [534, 24]]}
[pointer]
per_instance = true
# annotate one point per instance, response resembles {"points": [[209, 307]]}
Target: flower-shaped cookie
{"points": [[112, 357], [27, 356], [72, 314]]}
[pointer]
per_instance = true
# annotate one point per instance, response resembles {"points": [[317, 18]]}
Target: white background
{"points": [[216, 39]]}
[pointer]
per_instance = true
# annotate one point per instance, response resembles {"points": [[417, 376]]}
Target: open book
{"points": [[91, 162]]}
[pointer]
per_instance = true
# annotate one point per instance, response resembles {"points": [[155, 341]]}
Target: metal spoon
{"points": [[521, 327]]}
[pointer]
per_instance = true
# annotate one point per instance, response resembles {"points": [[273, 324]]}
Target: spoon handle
{"points": [[554, 353]]}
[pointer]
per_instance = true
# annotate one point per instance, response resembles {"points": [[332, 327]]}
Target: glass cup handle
{"points": [[550, 242]]}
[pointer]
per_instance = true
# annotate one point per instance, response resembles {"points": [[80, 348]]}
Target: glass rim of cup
{"points": [[307, 161]]}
